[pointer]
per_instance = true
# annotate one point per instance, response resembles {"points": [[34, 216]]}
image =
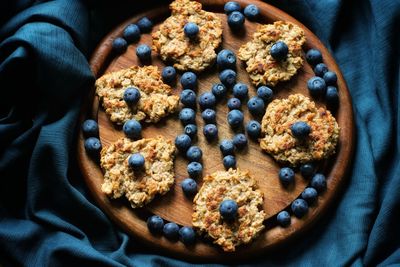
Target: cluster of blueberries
{"points": [[236, 17], [90, 130]]}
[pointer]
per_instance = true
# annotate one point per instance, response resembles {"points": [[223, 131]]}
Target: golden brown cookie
{"points": [[138, 187], [240, 187], [277, 137], [171, 43], [156, 98], [261, 66]]}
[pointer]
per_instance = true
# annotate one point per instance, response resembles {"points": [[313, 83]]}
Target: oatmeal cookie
{"points": [[171, 43], [240, 187], [283, 146], [139, 187], [261, 66], [156, 98]]}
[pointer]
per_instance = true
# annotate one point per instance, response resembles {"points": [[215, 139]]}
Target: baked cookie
{"points": [[283, 146], [261, 66], [240, 187], [171, 43], [139, 187], [156, 98]]}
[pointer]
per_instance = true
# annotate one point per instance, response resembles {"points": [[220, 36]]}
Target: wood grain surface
{"points": [[174, 206]]}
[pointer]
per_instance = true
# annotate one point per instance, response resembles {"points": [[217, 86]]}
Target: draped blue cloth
{"points": [[47, 217]]}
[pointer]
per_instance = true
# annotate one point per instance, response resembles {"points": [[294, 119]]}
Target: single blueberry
{"points": [[332, 96], [234, 103], [279, 51], [93, 146], [189, 80], [240, 141], [314, 56], [155, 224], [318, 182], [143, 52], [187, 116], [240, 90], [229, 161], [307, 170], [228, 209], [90, 128], [300, 129], [145, 25], [183, 142], [227, 147], [310, 195], [253, 129], [286, 176], [251, 12], [132, 33], [119, 45], [210, 131], [191, 130], [265, 93], [195, 169], [194, 153], [299, 207], [330, 78], [189, 186], [235, 20], [207, 100], [256, 106], [136, 161], [171, 231], [191, 29], [219, 90], [231, 6], [187, 235], [228, 77], [316, 85], [168, 74], [188, 98], [132, 129], [235, 118], [320, 69], [131, 95], [283, 218], [209, 115], [226, 59]]}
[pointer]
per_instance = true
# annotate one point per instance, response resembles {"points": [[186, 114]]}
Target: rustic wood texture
{"points": [[174, 206]]}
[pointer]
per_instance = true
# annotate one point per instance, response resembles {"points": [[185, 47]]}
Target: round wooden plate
{"points": [[174, 206]]}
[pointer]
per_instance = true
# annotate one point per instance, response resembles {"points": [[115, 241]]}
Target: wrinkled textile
{"points": [[47, 217]]}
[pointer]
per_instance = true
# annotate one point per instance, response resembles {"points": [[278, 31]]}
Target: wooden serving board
{"points": [[174, 206]]}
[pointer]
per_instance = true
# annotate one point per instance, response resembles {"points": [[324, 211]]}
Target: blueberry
{"points": [[235, 20], [145, 25], [251, 12], [283, 218], [119, 45], [155, 224], [314, 56], [194, 153], [226, 59], [316, 85], [191, 29], [231, 6], [234, 103], [93, 146], [256, 106], [194, 169], [188, 98], [228, 77], [132, 33], [210, 131], [307, 170], [187, 116], [240, 90], [235, 118], [240, 141], [265, 93], [227, 147], [320, 69], [209, 115], [286, 176], [132, 129], [219, 90], [253, 129], [207, 100], [143, 52], [330, 78], [189, 186], [332, 96], [189, 80], [131, 95], [136, 161], [309, 194], [183, 142], [171, 231], [229, 161], [168, 74], [299, 207], [318, 182], [187, 235], [90, 128], [279, 51], [191, 130], [228, 209], [300, 129]]}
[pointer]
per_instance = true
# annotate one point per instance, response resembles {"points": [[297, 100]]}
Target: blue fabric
{"points": [[47, 217]]}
